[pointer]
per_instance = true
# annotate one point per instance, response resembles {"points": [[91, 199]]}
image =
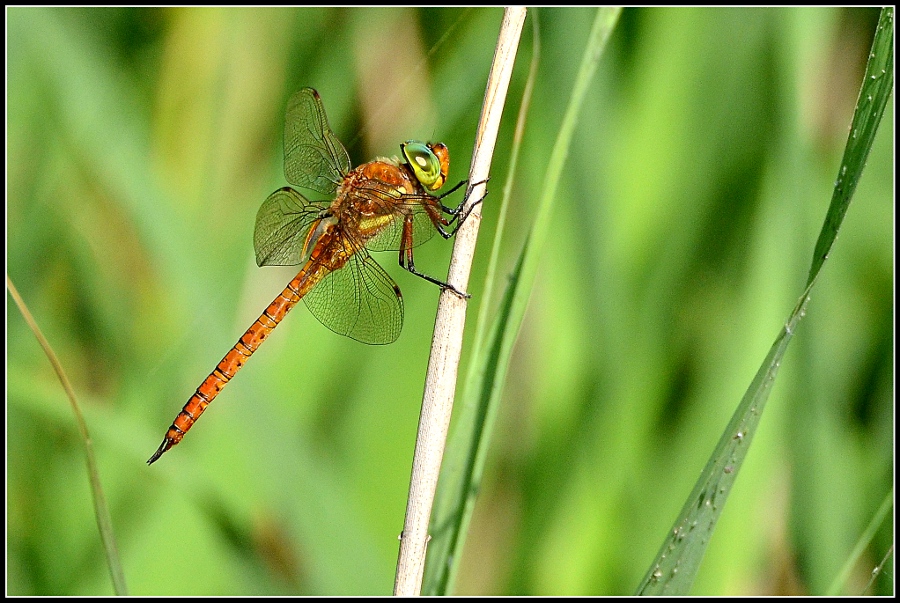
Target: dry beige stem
{"points": [[446, 345]]}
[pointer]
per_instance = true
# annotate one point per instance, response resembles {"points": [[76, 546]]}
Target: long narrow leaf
{"points": [[873, 96], [865, 540], [446, 344], [675, 567], [101, 509]]}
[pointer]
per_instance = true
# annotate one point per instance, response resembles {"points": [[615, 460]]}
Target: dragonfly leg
{"points": [[451, 210], [460, 217], [407, 263], [455, 211], [446, 286]]}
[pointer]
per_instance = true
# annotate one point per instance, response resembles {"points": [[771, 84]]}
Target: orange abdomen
{"points": [[235, 359]]}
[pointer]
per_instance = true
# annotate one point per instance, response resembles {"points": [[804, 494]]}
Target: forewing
{"points": [[313, 156], [282, 225], [360, 300]]}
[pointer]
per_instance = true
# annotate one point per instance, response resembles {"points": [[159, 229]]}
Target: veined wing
{"points": [[313, 156], [359, 300], [282, 228]]}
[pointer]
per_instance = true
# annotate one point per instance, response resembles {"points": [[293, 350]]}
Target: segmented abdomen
{"points": [[236, 357]]}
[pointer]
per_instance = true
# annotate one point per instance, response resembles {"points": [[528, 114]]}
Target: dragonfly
{"points": [[382, 205]]}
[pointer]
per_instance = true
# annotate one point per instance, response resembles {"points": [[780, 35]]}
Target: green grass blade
{"points": [[464, 461], [838, 586], [878, 568], [676, 565], [873, 96], [678, 561], [101, 509]]}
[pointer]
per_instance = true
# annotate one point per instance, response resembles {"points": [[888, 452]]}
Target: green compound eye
{"points": [[429, 168]]}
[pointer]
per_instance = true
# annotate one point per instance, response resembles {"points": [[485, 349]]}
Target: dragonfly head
{"points": [[429, 162]]}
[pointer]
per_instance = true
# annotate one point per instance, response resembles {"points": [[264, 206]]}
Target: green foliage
{"points": [[675, 568], [140, 146]]}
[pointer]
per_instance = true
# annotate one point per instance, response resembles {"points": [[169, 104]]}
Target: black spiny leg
{"points": [[406, 261], [457, 214]]}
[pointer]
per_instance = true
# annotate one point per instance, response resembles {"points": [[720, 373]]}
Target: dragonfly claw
{"points": [[452, 289]]}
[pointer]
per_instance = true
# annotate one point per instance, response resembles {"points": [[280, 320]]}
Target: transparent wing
{"points": [[359, 300], [313, 156], [282, 225]]}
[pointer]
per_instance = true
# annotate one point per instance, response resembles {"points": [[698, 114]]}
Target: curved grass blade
{"points": [[101, 510], [873, 96], [678, 561], [676, 565], [840, 581], [877, 571], [463, 465]]}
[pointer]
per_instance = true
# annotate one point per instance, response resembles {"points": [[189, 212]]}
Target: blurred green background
{"points": [[140, 144]]}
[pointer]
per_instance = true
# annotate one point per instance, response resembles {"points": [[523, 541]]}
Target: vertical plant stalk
{"points": [[101, 510], [490, 358], [467, 446], [446, 344]]}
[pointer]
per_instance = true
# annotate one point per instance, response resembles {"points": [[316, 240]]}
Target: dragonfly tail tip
{"points": [[159, 451]]}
